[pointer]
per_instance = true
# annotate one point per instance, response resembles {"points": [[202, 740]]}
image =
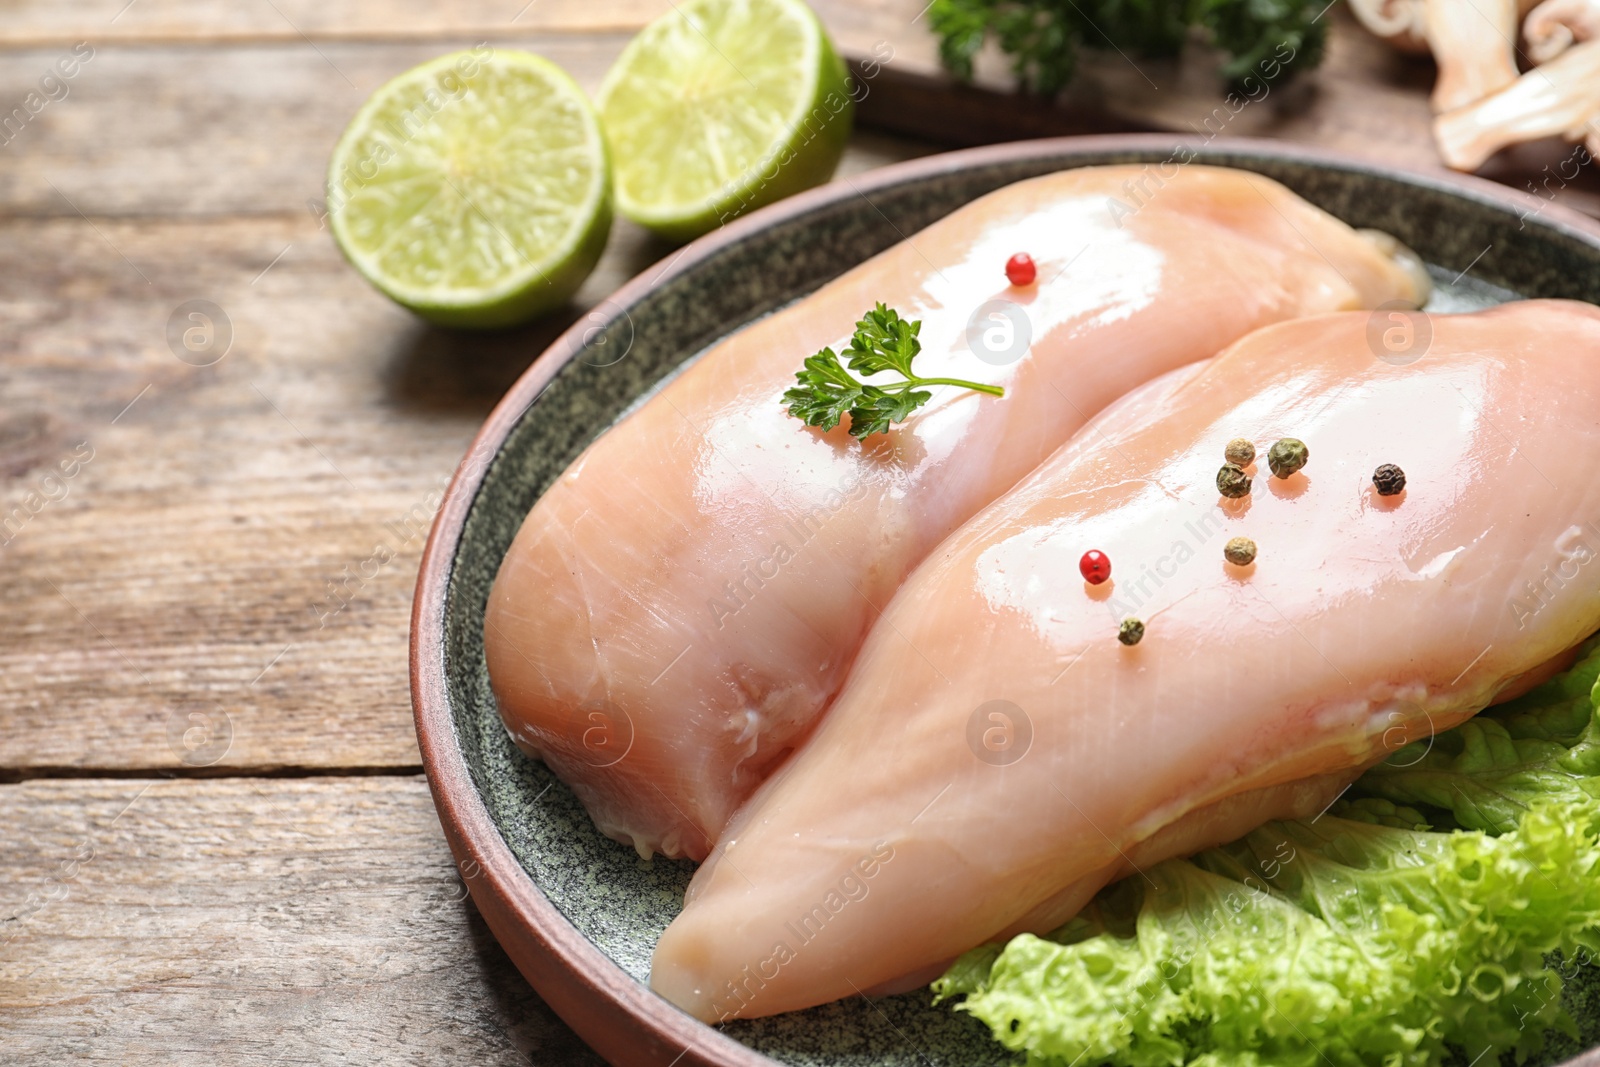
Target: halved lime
{"points": [[473, 189], [719, 107]]}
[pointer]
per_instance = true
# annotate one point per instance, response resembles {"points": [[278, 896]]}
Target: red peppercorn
{"points": [[1020, 269], [1095, 566]]}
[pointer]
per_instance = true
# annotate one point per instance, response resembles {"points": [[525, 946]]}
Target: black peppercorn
{"points": [[1389, 479], [1131, 632]]}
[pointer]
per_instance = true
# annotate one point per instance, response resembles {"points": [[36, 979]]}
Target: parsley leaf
{"points": [[825, 391], [884, 341]]}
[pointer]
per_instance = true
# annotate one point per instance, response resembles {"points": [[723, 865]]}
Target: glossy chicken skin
{"points": [[996, 755], [682, 603]]}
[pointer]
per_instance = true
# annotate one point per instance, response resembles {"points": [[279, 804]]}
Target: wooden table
{"points": [[216, 843]]}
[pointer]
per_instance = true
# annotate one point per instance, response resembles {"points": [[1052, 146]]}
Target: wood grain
{"points": [[200, 131], [29, 22], [33, 22], [1367, 98], [250, 922], [227, 129]]}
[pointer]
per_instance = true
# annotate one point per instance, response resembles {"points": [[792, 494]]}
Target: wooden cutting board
{"points": [[1366, 98]]}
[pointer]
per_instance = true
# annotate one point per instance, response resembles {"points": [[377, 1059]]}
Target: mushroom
{"points": [[1474, 45], [1556, 25], [1561, 97], [1472, 41]]}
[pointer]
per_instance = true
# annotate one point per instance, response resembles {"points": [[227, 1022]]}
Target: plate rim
{"points": [[619, 1017]]}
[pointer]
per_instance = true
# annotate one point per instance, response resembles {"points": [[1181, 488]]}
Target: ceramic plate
{"points": [[580, 914]]}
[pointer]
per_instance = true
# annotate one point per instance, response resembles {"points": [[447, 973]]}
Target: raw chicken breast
{"points": [[682, 603], [996, 755]]}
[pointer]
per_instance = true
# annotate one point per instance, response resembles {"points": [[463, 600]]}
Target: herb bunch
{"points": [[826, 389], [1042, 37]]}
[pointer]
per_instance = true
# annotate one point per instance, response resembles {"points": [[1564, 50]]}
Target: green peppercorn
{"points": [[1287, 456], [1131, 632], [1240, 452], [1389, 479], [1232, 481], [1241, 551]]}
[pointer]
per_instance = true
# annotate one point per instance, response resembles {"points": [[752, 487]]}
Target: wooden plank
{"points": [[188, 554], [208, 557], [265, 921], [29, 22], [209, 130], [251, 126], [1367, 98]]}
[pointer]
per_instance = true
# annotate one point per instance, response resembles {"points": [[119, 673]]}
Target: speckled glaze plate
{"points": [[580, 914]]}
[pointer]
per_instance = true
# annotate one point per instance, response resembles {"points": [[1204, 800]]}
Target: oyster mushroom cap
{"points": [[1556, 25]]}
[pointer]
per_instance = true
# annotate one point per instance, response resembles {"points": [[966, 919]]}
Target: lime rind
{"points": [[473, 189], [720, 107]]}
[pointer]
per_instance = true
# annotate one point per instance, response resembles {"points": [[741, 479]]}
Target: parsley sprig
{"points": [[1043, 37], [883, 341]]}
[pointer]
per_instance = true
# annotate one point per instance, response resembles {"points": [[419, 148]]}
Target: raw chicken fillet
{"points": [[996, 755], [683, 602]]}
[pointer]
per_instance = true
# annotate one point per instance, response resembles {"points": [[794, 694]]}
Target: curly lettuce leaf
{"points": [[1361, 937], [1483, 774]]}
